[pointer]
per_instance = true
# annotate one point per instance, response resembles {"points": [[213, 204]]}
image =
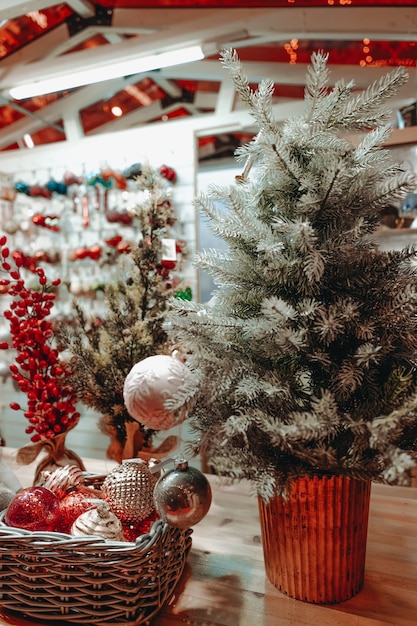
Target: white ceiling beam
{"points": [[188, 19], [38, 48], [143, 116], [113, 35], [58, 110], [79, 38], [68, 42], [169, 86], [225, 98], [323, 22], [281, 73], [84, 8], [337, 22], [10, 9], [134, 118], [72, 125], [282, 24], [206, 100]]}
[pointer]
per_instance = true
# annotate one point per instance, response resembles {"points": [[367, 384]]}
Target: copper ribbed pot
{"points": [[314, 541]]}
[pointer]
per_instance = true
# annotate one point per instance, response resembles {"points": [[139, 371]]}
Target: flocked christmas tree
{"points": [[305, 358], [103, 350]]}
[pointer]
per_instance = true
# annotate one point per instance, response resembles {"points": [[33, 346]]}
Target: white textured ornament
{"points": [[98, 522], [148, 386]]}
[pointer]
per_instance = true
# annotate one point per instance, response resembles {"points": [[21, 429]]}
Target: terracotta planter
{"points": [[314, 542]]}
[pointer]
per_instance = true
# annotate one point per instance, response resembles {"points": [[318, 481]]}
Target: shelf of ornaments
{"points": [[78, 237]]}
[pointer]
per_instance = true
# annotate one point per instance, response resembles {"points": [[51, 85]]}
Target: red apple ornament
{"points": [[72, 506], [149, 385], [33, 508]]}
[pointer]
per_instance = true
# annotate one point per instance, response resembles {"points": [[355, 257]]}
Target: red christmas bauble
{"points": [[168, 173], [131, 531], [33, 508], [72, 506]]}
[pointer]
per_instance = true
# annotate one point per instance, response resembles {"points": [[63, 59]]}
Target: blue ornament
{"points": [[132, 171], [22, 188], [409, 204]]}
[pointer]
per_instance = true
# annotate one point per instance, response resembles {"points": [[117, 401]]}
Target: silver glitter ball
{"points": [[129, 490], [6, 496]]}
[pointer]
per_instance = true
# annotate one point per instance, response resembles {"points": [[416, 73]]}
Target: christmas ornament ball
{"points": [[33, 508], [128, 488], [182, 496], [6, 496], [99, 521], [72, 506], [63, 479], [148, 386], [133, 530]]}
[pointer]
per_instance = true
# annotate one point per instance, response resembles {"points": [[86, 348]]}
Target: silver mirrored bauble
{"points": [[182, 496]]}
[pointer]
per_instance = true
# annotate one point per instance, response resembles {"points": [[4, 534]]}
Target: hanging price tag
{"points": [[168, 250]]}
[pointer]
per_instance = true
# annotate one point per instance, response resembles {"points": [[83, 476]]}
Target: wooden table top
{"points": [[224, 583]]}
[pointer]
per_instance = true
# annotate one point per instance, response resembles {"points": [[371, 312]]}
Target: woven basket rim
{"points": [[65, 540]]}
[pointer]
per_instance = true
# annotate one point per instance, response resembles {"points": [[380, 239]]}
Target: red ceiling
{"points": [[125, 4], [23, 30], [16, 33]]}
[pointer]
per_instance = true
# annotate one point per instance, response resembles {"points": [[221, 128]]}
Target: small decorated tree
{"points": [[305, 358], [103, 350]]}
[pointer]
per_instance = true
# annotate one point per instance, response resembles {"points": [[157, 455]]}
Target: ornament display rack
{"points": [[78, 235], [76, 230]]}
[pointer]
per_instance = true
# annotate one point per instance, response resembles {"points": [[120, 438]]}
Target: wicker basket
{"points": [[53, 576]]}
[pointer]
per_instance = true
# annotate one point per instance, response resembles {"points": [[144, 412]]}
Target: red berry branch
{"points": [[38, 370]]}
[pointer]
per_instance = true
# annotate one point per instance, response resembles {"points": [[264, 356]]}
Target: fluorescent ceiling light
{"points": [[127, 67], [28, 140]]}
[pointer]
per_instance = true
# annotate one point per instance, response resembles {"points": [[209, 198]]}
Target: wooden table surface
{"points": [[224, 583]]}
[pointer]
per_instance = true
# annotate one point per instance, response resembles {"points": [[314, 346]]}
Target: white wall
{"points": [[220, 173]]}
